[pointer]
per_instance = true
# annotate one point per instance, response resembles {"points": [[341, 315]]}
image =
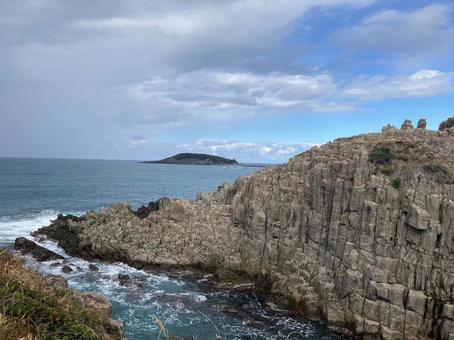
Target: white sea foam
{"points": [[197, 297], [12, 227]]}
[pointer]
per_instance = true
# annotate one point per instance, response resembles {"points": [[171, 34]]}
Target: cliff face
{"points": [[358, 232]]}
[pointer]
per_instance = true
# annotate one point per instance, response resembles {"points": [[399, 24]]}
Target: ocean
{"points": [[34, 191]]}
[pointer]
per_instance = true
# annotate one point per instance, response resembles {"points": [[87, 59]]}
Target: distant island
{"points": [[195, 159]]}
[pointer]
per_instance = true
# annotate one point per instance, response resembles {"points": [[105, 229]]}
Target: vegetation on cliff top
{"points": [[196, 159], [31, 308]]}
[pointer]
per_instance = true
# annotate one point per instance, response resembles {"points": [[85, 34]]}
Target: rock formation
{"points": [[40, 253], [407, 125], [358, 232], [422, 124], [447, 124]]}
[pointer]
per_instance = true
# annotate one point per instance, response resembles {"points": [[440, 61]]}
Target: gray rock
{"points": [[407, 125], [422, 124], [40, 253], [447, 124], [66, 269]]}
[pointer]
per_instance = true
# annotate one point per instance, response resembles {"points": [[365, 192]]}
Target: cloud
{"points": [[247, 151], [110, 69], [224, 95], [423, 31], [424, 83]]}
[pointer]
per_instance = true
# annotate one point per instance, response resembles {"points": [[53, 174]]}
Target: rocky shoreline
{"points": [[357, 233], [247, 301]]}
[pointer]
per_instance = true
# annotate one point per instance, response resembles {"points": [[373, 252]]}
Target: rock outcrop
{"points": [[358, 232], [407, 125], [40, 253], [422, 124], [447, 124]]}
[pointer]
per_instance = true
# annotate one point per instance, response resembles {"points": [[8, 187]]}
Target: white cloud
{"points": [[424, 83], [224, 96], [247, 151], [225, 91], [424, 31], [231, 95], [170, 23]]}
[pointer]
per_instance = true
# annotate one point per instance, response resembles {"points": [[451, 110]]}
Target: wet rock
{"points": [[63, 230], [93, 268], [40, 253], [422, 124], [124, 279], [66, 269]]}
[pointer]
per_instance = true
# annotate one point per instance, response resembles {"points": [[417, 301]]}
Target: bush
{"points": [[396, 183], [30, 307], [440, 173], [381, 156]]}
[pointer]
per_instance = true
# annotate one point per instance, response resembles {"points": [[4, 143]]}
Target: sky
{"points": [[254, 80]]}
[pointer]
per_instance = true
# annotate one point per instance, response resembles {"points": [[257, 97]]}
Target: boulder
{"points": [[57, 281], [66, 269], [96, 303], [93, 268], [123, 279], [27, 246]]}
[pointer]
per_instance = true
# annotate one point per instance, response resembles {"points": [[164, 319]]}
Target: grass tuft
{"points": [[31, 308]]}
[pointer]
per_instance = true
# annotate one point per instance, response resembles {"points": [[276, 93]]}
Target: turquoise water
{"points": [[34, 191]]}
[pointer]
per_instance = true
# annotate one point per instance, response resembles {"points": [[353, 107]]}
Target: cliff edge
{"points": [[358, 232]]}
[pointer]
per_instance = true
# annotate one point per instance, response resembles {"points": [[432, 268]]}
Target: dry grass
{"points": [[31, 308]]}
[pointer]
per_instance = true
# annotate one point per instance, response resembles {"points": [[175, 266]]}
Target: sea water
{"points": [[34, 191]]}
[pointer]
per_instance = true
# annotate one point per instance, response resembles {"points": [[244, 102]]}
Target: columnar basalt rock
{"points": [[447, 124], [407, 125], [358, 232], [422, 124]]}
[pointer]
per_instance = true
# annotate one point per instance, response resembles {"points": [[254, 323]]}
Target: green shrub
{"points": [[29, 306], [381, 155], [396, 183], [440, 173]]}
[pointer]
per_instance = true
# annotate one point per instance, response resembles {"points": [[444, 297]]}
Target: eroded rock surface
{"points": [[358, 232]]}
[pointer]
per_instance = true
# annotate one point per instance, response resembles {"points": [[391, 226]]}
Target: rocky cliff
{"points": [[358, 232]]}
